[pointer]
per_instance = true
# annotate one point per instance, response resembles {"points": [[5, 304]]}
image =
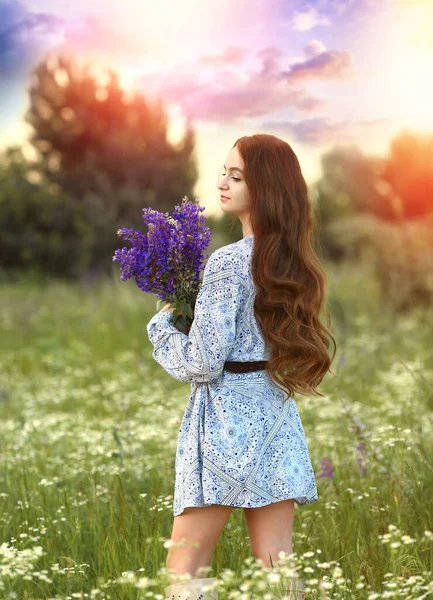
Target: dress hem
{"points": [[301, 500]]}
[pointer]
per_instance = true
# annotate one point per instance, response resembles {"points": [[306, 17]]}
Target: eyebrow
{"points": [[234, 169]]}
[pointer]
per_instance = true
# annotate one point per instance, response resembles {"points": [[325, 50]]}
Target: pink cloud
{"points": [[321, 131], [233, 54], [94, 34], [326, 65], [313, 48], [229, 94], [306, 20]]}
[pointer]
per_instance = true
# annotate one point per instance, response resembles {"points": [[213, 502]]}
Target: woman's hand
{"points": [[168, 307]]}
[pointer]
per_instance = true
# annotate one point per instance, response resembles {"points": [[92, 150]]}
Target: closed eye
{"points": [[235, 178]]}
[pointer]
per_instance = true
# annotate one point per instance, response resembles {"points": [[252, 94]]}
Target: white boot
{"points": [[296, 590], [191, 590]]}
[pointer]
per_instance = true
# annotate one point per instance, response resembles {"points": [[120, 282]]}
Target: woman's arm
{"points": [[200, 355]]}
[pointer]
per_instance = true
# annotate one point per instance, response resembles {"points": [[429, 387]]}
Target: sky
{"points": [[317, 73]]}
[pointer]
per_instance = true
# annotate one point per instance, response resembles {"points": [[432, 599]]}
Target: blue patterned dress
{"points": [[239, 443]]}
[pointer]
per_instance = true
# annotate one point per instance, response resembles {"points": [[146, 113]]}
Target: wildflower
{"points": [[337, 571], [273, 577], [143, 582], [327, 585], [327, 470], [168, 259], [406, 539]]}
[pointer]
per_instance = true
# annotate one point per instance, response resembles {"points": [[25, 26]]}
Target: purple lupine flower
{"points": [[167, 260], [327, 470], [362, 459]]}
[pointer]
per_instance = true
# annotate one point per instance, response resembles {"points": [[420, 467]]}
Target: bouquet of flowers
{"points": [[167, 260]]}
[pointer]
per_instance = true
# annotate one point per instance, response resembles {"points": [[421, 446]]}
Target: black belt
{"points": [[245, 367]]}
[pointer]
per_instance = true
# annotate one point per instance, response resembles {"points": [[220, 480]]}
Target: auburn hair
{"points": [[290, 281]]}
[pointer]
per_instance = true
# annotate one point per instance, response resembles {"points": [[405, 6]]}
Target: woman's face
{"points": [[231, 183]]}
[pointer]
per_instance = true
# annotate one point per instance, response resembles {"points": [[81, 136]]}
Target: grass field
{"points": [[88, 433]]}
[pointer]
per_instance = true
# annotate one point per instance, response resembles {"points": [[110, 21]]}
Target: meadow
{"points": [[88, 434]]}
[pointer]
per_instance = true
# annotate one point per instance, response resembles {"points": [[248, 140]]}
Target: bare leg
{"points": [[200, 526], [270, 529]]}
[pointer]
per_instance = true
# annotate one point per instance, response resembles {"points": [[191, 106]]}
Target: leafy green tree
{"points": [[42, 229], [381, 210], [392, 189], [107, 151]]}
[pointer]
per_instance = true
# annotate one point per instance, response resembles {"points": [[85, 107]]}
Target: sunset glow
{"points": [[314, 73]]}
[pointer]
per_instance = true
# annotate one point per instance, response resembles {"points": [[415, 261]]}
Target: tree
{"points": [[41, 228], [109, 153], [409, 171]]}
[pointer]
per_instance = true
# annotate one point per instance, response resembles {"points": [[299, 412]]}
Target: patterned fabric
{"points": [[240, 443]]}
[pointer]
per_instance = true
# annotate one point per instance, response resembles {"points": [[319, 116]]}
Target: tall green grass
{"points": [[88, 434]]}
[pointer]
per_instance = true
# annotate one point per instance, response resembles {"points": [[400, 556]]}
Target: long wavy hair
{"points": [[289, 279]]}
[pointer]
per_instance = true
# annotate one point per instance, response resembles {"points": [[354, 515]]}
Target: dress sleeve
{"points": [[200, 355]]}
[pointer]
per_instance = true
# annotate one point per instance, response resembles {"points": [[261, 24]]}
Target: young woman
{"points": [[256, 339]]}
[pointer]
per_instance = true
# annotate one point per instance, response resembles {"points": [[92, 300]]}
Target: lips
{"points": [[224, 197]]}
